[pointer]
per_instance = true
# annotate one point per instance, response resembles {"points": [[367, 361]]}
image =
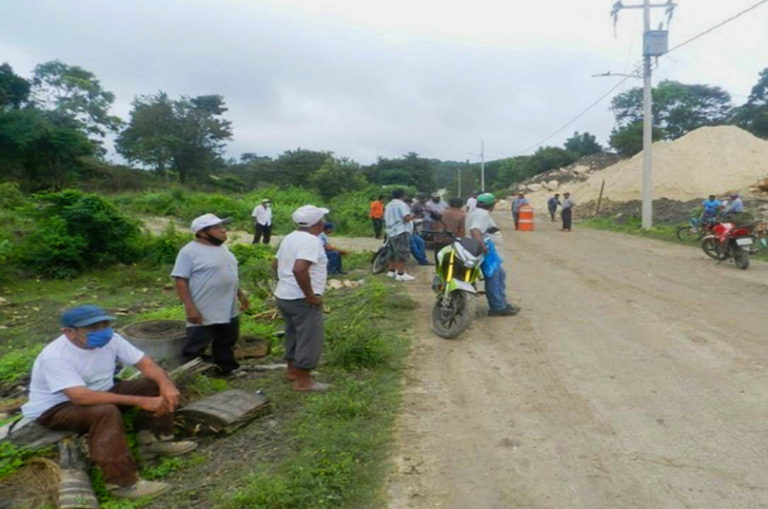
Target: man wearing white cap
{"points": [[262, 221], [301, 275], [207, 284]]}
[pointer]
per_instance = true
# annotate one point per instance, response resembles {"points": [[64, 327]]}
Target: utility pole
{"points": [[654, 45], [482, 166]]}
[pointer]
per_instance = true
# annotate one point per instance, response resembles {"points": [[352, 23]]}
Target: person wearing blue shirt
{"points": [[334, 254], [516, 204], [712, 207], [552, 204]]}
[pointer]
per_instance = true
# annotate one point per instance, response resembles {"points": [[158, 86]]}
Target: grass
{"points": [[329, 450], [633, 226]]}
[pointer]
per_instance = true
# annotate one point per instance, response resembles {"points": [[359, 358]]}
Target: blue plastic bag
{"points": [[491, 260]]}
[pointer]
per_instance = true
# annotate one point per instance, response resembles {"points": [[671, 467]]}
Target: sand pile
{"points": [[709, 160]]}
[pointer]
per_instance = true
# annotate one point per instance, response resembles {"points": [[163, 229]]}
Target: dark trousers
{"points": [[334, 261], [566, 215], [266, 231], [221, 336], [378, 224], [304, 332], [552, 214], [107, 445], [516, 219]]}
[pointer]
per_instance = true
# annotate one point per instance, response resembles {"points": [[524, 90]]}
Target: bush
{"points": [[75, 231], [163, 248]]}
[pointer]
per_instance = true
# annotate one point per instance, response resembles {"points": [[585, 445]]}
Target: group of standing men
{"points": [[566, 209]]}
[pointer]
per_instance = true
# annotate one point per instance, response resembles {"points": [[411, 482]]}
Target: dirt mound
{"points": [[708, 160]]}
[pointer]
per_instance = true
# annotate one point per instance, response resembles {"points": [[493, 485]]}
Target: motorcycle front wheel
{"points": [[379, 261], [452, 317], [711, 247], [741, 258]]}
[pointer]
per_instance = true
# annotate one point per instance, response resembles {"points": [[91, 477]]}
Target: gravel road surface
{"points": [[635, 376]]}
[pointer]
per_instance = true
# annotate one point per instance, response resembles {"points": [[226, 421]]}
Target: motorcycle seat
{"points": [[474, 247]]}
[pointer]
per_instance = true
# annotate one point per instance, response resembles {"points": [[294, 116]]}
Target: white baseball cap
{"points": [[206, 220], [308, 215]]}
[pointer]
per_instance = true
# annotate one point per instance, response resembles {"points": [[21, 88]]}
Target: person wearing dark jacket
{"points": [[552, 205]]}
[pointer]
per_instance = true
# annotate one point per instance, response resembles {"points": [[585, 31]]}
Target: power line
{"points": [[705, 32], [591, 106], [577, 117]]}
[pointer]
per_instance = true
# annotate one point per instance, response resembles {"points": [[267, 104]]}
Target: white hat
{"points": [[266, 200], [308, 215], [205, 221]]}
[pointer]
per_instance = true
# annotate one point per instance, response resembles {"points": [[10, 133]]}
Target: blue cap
{"points": [[82, 316], [328, 226]]}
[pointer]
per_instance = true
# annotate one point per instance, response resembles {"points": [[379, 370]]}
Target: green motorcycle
{"points": [[457, 272]]}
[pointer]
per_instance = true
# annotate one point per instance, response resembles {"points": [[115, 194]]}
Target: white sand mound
{"points": [[709, 160]]}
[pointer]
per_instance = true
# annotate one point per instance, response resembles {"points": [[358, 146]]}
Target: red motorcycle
{"points": [[730, 241]]}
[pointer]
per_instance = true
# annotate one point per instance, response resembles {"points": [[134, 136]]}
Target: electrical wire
{"points": [[705, 32], [617, 85], [577, 117]]}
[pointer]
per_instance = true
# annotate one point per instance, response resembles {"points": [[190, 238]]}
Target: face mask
{"points": [[99, 338], [213, 240]]}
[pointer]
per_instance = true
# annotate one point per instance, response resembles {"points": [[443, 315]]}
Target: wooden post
{"points": [[600, 198]]}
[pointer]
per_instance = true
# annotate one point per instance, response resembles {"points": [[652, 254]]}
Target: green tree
{"points": [[294, 167], [628, 140], [14, 90], [677, 108], [186, 136], [335, 177], [409, 170], [583, 144], [546, 159], [76, 95], [753, 116], [38, 151]]}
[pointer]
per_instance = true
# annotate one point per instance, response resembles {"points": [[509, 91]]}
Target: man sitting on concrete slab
{"points": [[73, 389]]}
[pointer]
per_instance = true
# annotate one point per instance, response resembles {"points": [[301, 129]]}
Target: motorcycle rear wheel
{"points": [[452, 319], [379, 261], [741, 259], [711, 248]]}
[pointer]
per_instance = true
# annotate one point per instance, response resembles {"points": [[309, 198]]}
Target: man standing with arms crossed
{"points": [[302, 272], [207, 284]]}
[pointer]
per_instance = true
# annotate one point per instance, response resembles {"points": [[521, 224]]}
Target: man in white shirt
{"points": [[479, 225], [262, 221], [207, 284], [72, 388], [302, 271], [472, 202], [397, 218]]}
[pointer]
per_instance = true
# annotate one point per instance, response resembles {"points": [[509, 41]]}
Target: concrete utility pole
{"points": [[654, 45], [482, 166]]}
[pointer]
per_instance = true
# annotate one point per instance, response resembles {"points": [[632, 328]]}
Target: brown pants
{"points": [[104, 425]]}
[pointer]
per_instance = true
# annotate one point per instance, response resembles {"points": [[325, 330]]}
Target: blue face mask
{"points": [[98, 338]]}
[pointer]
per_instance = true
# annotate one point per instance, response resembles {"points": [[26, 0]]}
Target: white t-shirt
{"points": [[471, 203], [262, 215], [394, 213], [480, 219], [213, 282], [299, 245], [62, 365]]}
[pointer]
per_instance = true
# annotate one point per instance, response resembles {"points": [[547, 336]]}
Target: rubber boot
{"points": [[304, 382], [290, 372]]}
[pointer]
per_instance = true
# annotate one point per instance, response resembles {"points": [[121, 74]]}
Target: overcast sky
{"points": [[366, 79]]}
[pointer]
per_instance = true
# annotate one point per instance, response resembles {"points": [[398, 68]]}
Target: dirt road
{"points": [[635, 376]]}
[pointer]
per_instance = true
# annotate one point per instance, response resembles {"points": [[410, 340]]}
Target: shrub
{"points": [[163, 248], [75, 231]]}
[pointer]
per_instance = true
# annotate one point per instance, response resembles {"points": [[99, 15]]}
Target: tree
{"points": [[294, 167], [753, 116], [677, 108], [76, 95], [335, 177], [14, 90], [186, 135], [628, 140], [409, 170], [40, 152], [584, 144], [546, 159]]}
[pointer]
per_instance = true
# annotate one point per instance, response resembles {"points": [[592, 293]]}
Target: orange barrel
{"points": [[526, 218]]}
